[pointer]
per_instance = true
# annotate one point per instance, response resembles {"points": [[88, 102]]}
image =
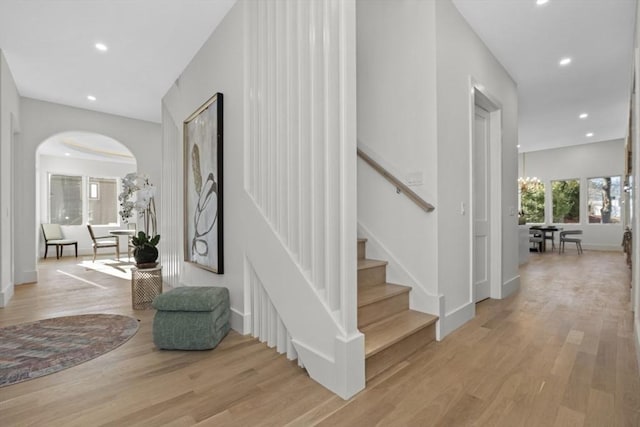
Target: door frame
{"points": [[478, 95], [480, 152]]}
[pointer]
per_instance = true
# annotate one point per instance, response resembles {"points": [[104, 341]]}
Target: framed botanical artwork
{"points": [[203, 244]]}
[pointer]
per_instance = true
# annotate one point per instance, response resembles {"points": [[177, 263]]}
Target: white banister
{"points": [[267, 324], [170, 213], [300, 174], [296, 144]]}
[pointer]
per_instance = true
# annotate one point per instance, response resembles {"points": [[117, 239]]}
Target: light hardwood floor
{"points": [[558, 353]]}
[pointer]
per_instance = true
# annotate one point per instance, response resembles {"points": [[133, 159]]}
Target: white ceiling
{"points": [[49, 45], [87, 146], [529, 41]]}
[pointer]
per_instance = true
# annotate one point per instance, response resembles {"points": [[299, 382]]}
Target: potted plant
{"points": [[145, 251], [137, 195]]}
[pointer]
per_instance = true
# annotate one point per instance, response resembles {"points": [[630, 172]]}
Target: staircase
{"points": [[392, 332]]}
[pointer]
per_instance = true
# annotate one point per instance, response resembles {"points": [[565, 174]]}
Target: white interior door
{"points": [[481, 204]]}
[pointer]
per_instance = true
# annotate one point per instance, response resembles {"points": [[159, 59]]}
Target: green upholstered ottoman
{"points": [[191, 318]]}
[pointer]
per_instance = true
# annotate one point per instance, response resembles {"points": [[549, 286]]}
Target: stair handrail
{"points": [[401, 187]]}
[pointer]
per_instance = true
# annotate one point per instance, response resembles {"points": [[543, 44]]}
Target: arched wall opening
{"points": [[40, 120], [78, 179]]}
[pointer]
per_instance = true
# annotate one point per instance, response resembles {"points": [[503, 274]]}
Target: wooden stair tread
{"points": [[384, 333], [363, 264], [374, 293], [362, 239]]}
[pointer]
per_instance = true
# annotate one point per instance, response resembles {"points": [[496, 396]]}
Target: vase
{"points": [[146, 256]]}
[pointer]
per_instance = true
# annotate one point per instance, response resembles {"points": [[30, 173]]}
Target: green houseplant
{"points": [[145, 251], [137, 195]]}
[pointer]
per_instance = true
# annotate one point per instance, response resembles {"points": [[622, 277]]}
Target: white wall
{"points": [[580, 162], [40, 120], [9, 128], [217, 67], [416, 60], [289, 177], [61, 165], [396, 90], [462, 56]]}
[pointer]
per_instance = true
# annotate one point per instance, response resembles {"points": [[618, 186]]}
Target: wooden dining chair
{"points": [[101, 242]]}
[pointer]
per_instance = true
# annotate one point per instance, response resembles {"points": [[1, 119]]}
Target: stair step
{"points": [[361, 248], [376, 302], [389, 341], [385, 333], [371, 272], [371, 294]]}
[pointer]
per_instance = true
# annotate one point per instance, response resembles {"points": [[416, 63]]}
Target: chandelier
{"points": [[528, 184]]}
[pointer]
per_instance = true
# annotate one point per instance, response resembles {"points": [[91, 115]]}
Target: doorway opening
{"points": [[78, 179], [486, 200]]}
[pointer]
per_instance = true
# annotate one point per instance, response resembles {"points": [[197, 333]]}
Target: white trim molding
{"points": [[510, 286], [480, 96], [456, 318], [6, 295], [300, 179]]}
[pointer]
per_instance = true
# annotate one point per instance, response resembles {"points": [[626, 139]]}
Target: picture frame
{"points": [[203, 186]]}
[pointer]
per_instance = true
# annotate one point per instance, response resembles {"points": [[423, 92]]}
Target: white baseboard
{"points": [[345, 375], [440, 322], [6, 295], [456, 318], [592, 247], [510, 286], [241, 323]]}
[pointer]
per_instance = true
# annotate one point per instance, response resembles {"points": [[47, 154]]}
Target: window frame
{"points": [[50, 176], [85, 197], [619, 199]]}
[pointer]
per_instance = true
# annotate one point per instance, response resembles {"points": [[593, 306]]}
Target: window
{"points": [[103, 201], [65, 199], [94, 191], [565, 196], [70, 205], [604, 200], [532, 199]]}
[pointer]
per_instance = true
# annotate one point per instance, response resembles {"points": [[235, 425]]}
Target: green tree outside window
{"points": [[532, 200], [566, 201]]}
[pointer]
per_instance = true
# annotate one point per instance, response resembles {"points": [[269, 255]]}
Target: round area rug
{"points": [[31, 350]]}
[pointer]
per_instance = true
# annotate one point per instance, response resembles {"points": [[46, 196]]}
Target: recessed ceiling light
{"points": [[541, 2], [583, 115], [91, 98], [101, 47], [518, 146], [67, 154], [589, 135], [565, 61]]}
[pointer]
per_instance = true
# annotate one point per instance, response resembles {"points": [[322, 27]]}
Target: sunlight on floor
{"points": [[118, 268]]}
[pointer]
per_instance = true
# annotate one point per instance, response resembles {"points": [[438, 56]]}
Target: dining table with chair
{"points": [[546, 232]]}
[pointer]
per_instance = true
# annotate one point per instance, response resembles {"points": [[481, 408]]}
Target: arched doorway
{"points": [[77, 183]]}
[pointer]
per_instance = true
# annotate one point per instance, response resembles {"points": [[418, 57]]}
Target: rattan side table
{"points": [[146, 284]]}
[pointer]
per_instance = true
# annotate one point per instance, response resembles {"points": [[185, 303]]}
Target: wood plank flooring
{"points": [[559, 353]]}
